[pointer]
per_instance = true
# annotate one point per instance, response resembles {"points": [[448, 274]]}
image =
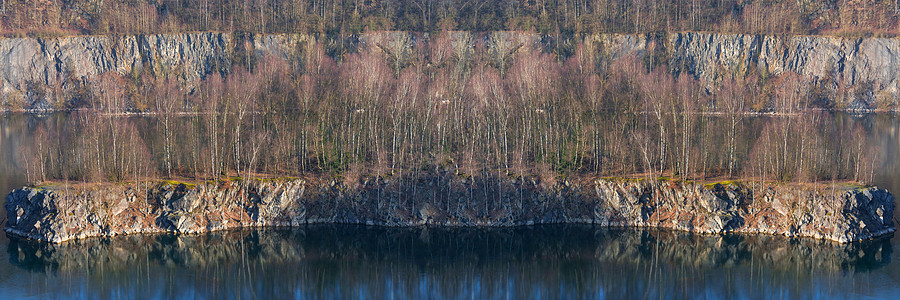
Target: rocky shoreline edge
{"points": [[56, 213]]}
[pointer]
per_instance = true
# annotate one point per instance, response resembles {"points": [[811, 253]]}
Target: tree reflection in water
{"points": [[344, 261]]}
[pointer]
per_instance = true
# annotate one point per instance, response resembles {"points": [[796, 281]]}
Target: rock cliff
{"points": [[863, 70], [37, 72], [867, 67], [64, 212], [40, 73]]}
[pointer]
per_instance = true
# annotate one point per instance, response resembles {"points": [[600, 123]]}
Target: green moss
{"points": [[852, 186], [46, 186], [623, 179], [724, 182], [175, 183]]}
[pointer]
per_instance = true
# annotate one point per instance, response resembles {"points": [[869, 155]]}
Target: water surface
{"points": [[344, 261]]}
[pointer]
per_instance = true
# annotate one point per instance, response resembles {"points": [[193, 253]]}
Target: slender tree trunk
{"points": [[731, 146], [168, 146]]}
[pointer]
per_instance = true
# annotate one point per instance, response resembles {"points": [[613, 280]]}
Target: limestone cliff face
{"points": [[71, 212], [868, 63], [44, 73], [865, 68], [34, 72]]}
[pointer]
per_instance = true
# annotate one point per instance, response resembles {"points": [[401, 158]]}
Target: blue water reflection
{"points": [[346, 261]]}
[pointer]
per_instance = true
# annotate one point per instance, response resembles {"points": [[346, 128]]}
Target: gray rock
{"points": [[827, 61], [713, 203], [72, 212], [37, 71]]}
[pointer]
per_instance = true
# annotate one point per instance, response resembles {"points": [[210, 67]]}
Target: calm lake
{"points": [[343, 261]]}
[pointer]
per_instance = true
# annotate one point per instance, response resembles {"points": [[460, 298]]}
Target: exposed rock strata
{"points": [[36, 72], [66, 212], [867, 66]]}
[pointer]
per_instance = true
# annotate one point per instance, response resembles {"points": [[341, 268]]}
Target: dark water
{"points": [[381, 263]]}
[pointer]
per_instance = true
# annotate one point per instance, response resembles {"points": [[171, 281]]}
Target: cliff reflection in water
{"points": [[374, 262]]}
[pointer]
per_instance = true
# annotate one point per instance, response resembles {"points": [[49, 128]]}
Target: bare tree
{"points": [[731, 100], [243, 87], [112, 103], [658, 88], [167, 101]]}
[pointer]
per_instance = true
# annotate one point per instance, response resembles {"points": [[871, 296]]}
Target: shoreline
{"points": [[874, 236], [66, 212]]}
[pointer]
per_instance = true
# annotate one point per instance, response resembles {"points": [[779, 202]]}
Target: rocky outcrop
{"points": [[66, 212], [868, 63], [41, 73], [47, 73], [36, 72], [860, 71]]}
